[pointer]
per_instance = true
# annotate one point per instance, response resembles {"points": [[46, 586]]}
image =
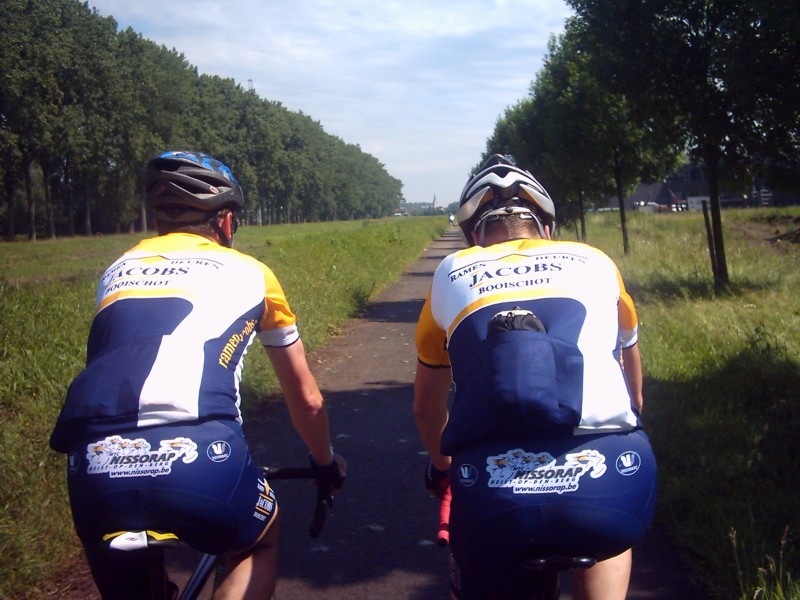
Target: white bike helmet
{"points": [[500, 189]]}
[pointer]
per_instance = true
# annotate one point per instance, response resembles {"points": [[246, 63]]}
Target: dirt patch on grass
{"points": [[73, 581], [772, 229]]}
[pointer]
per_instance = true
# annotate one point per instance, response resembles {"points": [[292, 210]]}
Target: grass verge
{"points": [[722, 390]]}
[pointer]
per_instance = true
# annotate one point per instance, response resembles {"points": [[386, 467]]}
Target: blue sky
{"points": [[418, 84]]}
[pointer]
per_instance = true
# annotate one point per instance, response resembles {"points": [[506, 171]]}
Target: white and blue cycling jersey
{"points": [[173, 320], [519, 382]]}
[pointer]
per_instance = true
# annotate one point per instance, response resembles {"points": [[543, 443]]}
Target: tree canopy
{"points": [[579, 136], [632, 84], [84, 106]]}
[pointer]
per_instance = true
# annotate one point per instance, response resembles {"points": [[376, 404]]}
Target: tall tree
{"points": [[31, 97], [686, 63], [765, 76], [83, 106], [91, 83], [582, 135]]}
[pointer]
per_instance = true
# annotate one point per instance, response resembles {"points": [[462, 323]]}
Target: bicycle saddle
{"points": [[140, 540], [557, 562]]}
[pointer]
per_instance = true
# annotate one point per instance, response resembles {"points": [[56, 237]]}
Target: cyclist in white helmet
{"points": [[543, 446], [152, 425]]}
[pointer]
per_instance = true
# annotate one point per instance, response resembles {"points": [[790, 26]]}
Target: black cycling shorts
{"points": [[196, 481], [552, 494]]}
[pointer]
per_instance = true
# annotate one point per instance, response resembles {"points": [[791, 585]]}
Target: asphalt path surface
{"points": [[378, 540]]}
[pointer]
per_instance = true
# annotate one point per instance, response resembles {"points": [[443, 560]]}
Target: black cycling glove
{"points": [[436, 481], [329, 477]]}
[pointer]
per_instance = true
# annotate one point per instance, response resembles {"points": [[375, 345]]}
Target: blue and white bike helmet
{"points": [[501, 189], [190, 187]]}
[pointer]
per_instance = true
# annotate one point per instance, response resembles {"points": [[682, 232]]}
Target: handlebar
{"points": [[323, 500]]}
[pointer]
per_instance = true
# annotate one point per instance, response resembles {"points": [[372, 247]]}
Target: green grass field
{"points": [[722, 373]]}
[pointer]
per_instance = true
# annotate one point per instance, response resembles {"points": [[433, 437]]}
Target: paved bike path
{"points": [[378, 540]]}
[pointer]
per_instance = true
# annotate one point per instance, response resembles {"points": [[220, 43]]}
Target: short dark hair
{"points": [[200, 229], [513, 226]]}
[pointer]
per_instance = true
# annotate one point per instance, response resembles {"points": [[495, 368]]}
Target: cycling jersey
{"points": [[568, 376], [174, 317]]}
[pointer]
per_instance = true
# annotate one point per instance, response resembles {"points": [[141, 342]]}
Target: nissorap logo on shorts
{"points": [[539, 472], [218, 451], [628, 463], [121, 457]]}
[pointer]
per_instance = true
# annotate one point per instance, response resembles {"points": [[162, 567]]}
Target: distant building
{"points": [[689, 182], [647, 194]]}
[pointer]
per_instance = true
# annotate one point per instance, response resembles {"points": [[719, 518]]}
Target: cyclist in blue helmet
{"points": [[152, 426], [543, 447]]}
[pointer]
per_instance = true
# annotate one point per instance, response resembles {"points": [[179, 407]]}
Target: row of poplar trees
{"points": [[84, 105], [632, 87]]}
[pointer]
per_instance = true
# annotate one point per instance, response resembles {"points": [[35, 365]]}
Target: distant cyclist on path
{"points": [[152, 425], [543, 446]]}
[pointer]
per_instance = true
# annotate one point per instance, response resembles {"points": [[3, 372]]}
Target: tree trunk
{"points": [[143, 215], [621, 199], [11, 230], [87, 215], [69, 199], [31, 204], [48, 204], [712, 174], [581, 196], [710, 238], [50, 212], [70, 213]]}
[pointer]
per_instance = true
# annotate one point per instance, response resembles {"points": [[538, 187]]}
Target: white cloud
{"points": [[419, 84]]}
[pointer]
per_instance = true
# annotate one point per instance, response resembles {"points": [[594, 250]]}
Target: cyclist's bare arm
{"points": [[305, 402], [632, 364], [431, 389]]}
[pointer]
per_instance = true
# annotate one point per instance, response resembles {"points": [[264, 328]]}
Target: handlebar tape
{"points": [[443, 536]]}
